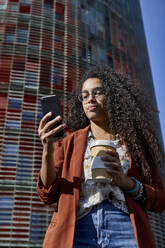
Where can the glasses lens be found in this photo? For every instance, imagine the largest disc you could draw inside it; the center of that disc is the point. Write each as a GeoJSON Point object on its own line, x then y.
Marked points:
{"type": "Point", "coordinates": [83, 96]}
{"type": "Point", "coordinates": [98, 92]}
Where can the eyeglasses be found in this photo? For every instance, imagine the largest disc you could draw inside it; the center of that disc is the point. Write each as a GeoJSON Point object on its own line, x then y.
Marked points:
{"type": "Point", "coordinates": [96, 93]}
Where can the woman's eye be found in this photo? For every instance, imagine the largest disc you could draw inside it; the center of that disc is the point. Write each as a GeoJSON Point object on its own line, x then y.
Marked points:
{"type": "Point", "coordinates": [85, 96]}
{"type": "Point", "coordinates": [98, 92]}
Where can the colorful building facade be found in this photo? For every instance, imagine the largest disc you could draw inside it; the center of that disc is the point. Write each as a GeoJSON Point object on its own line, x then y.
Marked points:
{"type": "Point", "coordinates": [45, 46]}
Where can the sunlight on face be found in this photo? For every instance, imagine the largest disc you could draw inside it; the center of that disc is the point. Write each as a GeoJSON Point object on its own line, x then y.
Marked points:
{"type": "Point", "coordinates": [93, 100]}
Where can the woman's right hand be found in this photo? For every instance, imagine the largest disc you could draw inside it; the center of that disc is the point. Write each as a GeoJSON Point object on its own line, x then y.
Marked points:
{"type": "Point", "coordinates": [44, 131]}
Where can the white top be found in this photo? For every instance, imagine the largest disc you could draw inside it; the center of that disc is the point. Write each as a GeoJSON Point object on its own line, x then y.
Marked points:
{"type": "Point", "coordinates": [94, 191]}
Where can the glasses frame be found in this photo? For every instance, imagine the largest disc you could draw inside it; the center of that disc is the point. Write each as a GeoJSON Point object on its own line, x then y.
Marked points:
{"type": "Point", "coordinates": [93, 93]}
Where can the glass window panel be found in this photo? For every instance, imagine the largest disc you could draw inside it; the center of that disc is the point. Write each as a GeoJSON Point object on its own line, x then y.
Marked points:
{"type": "Point", "coordinates": [58, 38]}
{"type": "Point", "coordinates": [26, 2]}
{"type": "Point", "coordinates": [56, 80]}
{"type": "Point", "coordinates": [22, 35]}
{"type": "Point", "coordinates": [102, 54]}
{"type": "Point", "coordinates": [16, 84]}
{"type": "Point", "coordinates": [36, 228]}
{"type": "Point", "coordinates": [84, 51]}
{"type": "Point", "coordinates": [59, 11]}
{"type": "Point", "coordinates": [36, 234]}
{"type": "Point", "coordinates": [6, 203]}
{"type": "Point", "coordinates": [47, 8]}
{"type": "Point", "coordinates": [5, 216]}
{"type": "Point", "coordinates": [92, 20]}
{"type": "Point", "coordinates": [107, 30]}
{"type": "Point", "coordinates": [22, 174]}
{"type": "Point", "coordinates": [83, 16]}
{"type": "Point", "coordinates": [10, 148]}
{"type": "Point", "coordinates": [24, 162]}
{"type": "Point", "coordinates": [59, 16]}
{"type": "Point", "coordinates": [57, 70]}
{"type": "Point", "coordinates": [31, 75]}
{"type": "Point", "coordinates": [9, 160]}
{"type": "Point", "coordinates": [93, 52]}
{"type": "Point", "coordinates": [19, 65]}
{"type": "Point", "coordinates": [33, 48]}
{"type": "Point", "coordinates": [31, 85]}
{"type": "Point", "coordinates": [28, 116]}
{"type": "Point", "coordinates": [36, 218]}
{"type": "Point", "coordinates": [39, 116]}
{"type": "Point", "coordinates": [8, 164]}
{"type": "Point", "coordinates": [10, 157]}
{"type": "Point", "coordinates": [57, 75]}
{"type": "Point", "coordinates": [76, 3]}
{"type": "Point", "coordinates": [9, 37]}
{"type": "Point", "coordinates": [15, 103]}
{"type": "Point", "coordinates": [3, 4]}
{"type": "Point", "coordinates": [110, 61]}
{"type": "Point", "coordinates": [13, 124]}
{"type": "Point", "coordinates": [13, 7]}
{"type": "Point", "coordinates": [31, 79]}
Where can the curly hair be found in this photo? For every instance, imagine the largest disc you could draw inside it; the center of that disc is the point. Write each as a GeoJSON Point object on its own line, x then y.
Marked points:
{"type": "Point", "coordinates": [131, 115]}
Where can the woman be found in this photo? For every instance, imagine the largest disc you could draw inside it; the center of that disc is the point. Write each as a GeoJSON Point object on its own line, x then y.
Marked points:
{"type": "Point", "coordinates": [89, 213]}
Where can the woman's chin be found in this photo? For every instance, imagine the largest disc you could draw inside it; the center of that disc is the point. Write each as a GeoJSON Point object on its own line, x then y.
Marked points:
{"type": "Point", "coordinates": [95, 118]}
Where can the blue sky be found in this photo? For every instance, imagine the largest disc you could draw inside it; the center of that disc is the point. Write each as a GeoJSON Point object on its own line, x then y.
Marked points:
{"type": "Point", "coordinates": [153, 12]}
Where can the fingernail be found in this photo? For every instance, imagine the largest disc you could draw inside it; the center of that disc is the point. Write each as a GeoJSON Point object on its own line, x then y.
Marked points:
{"type": "Point", "coordinates": [103, 157]}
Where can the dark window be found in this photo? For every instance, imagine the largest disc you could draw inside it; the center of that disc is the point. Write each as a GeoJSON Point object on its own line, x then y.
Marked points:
{"type": "Point", "coordinates": [6, 203]}
{"type": "Point", "coordinates": [15, 103]}
{"type": "Point", "coordinates": [58, 38]}
{"type": "Point", "coordinates": [10, 149]}
{"type": "Point", "coordinates": [3, 4]}
{"type": "Point", "coordinates": [9, 38]}
{"type": "Point", "coordinates": [22, 35]}
{"type": "Point", "coordinates": [19, 65]}
{"type": "Point", "coordinates": [60, 11]}
{"type": "Point", "coordinates": [84, 51]}
{"type": "Point", "coordinates": [27, 116]}
{"type": "Point", "coordinates": [36, 226]}
{"type": "Point", "coordinates": [13, 125]}
{"type": "Point", "coordinates": [57, 76]}
{"type": "Point", "coordinates": [24, 162]}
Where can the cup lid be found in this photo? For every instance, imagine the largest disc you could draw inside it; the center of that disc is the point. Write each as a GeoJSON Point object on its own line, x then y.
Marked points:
{"type": "Point", "coordinates": [102, 143]}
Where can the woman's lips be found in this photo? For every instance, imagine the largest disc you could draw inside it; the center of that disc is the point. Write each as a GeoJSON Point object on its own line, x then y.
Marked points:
{"type": "Point", "coordinates": [92, 108]}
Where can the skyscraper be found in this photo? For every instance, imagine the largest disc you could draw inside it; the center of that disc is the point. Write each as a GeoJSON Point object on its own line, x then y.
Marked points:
{"type": "Point", "coordinates": [45, 45]}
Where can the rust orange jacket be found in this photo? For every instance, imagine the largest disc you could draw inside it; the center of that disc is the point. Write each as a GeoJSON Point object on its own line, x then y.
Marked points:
{"type": "Point", "coordinates": [66, 191]}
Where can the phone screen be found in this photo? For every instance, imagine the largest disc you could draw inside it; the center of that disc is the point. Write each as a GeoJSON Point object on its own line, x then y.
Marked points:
{"type": "Point", "coordinates": [51, 103]}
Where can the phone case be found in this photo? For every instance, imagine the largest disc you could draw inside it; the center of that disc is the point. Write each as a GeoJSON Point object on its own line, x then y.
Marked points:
{"type": "Point", "coordinates": [51, 104]}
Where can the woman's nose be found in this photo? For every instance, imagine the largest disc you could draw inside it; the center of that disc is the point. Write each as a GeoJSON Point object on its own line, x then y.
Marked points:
{"type": "Point", "coordinates": [91, 97]}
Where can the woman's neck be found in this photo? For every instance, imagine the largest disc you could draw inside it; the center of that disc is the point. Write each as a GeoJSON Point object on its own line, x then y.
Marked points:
{"type": "Point", "coordinates": [101, 131]}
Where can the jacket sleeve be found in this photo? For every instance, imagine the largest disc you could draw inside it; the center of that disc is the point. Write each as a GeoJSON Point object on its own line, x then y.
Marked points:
{"type": "Point", "coordinates": [155, 194]}
{"type": "Point", "coordinates": [51, 195]}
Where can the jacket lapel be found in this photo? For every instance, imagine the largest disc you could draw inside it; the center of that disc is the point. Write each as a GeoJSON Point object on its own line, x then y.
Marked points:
{"type": "Point", "coordinates": [79, 144]}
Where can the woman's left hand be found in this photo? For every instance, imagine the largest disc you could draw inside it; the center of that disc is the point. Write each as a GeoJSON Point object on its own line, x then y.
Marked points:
{"type": "Point", "coordinates": [114, 168]}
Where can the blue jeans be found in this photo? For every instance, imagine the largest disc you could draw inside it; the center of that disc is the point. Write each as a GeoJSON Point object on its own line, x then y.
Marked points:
{"type": "Point", "coordinates": [105, 226]}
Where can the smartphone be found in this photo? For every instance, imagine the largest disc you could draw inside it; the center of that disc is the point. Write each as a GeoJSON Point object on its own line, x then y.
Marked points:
{"type": "Point", "coordinates": [51, 103]}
